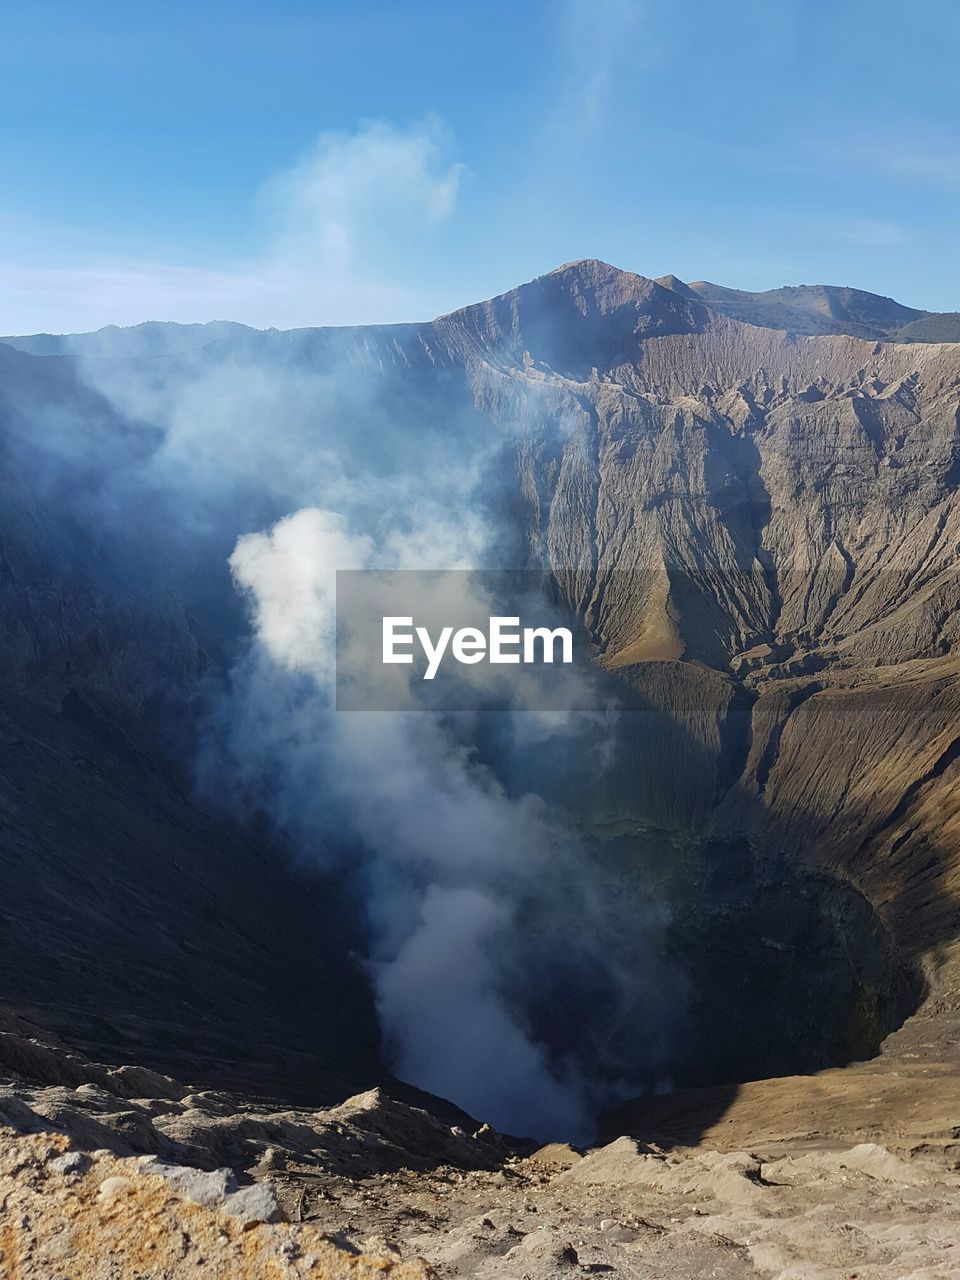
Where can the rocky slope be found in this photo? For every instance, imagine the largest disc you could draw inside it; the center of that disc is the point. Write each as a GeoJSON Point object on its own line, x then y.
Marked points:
{"type": "Point", "coordinates": [762, 533]}
{"type": "Point", "coordinates": [115, 1172]}
{"type": "Point", "coordinates": [130, 917]}
{"type": "Point", "coordinates": [763, 529]}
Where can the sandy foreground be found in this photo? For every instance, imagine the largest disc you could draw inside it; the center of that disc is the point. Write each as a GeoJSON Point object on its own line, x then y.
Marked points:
{"type": "Point", "coordinates": [125, 1173]}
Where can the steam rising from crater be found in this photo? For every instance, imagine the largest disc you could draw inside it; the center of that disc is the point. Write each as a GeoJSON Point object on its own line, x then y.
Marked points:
{"type": "Point", "coordinates": [456, 863]}
{"type": "Point", "coordinates": [512, 973]}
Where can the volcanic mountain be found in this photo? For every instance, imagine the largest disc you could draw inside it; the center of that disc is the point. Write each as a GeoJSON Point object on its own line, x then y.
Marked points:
{"type": "Point", "coordinates": [752, 504]}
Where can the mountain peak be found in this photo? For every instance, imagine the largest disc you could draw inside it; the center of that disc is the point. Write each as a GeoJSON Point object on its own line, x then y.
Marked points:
{"type": "Point", "coordinates": [590, 268]}
{"type": "Point", "coordinates": [582, 315]}
{"type": "Point", "coordinates": [676, 285]}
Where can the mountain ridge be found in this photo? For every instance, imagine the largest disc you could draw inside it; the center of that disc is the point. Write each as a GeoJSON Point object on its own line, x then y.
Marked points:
{"type": "Point", "coordinates": [802, 310]}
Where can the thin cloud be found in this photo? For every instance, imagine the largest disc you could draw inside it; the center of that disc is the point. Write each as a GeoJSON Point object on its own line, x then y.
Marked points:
{"type": "Point", "coordinates": [868, 233]}
{"type": "Point", "coordinates": [597, 40]}
{"type": "Point", "coordinates": [936, 162]}
{"type": "Point", "coordinates": [336, 204]}
{"type": "Point", "coordinates": [341, 221]}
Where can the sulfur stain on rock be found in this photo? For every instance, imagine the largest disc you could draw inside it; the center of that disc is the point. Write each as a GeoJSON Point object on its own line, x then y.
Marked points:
{"type": "Point", "coordinates": [114, 1221]}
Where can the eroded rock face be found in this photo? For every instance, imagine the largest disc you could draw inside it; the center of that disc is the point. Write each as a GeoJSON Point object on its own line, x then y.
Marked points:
{"type": "Point", "coordinates": [759, 532]}
{"type": "Point", "coordinates": [764, 530]}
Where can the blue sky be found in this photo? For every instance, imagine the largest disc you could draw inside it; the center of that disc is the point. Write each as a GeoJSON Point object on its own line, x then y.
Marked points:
{"type": "Point", "coordinates": [309, 163]}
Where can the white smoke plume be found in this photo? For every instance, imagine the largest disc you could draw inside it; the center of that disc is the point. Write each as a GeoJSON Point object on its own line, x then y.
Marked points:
{"type": "Point", "coordinates": [456, 863]}
{"type": "Point", "coordinates": [511, 972]}
{"type": "Point", "coordinates": [452, 855]}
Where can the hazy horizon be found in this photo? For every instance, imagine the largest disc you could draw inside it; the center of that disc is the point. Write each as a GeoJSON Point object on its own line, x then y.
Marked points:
{"type": "Point", "coordinates": [426, 319]}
